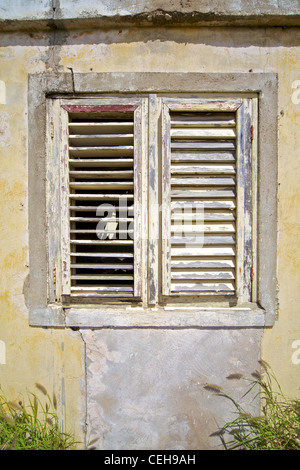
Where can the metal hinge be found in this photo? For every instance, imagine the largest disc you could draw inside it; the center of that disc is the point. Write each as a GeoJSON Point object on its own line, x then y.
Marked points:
{"type": "Point", "coordinates": [252, 133]}
{"type": "Point", "coordinates": [51, 130]}
{"type": "Point", "coordinates": [252, 273]}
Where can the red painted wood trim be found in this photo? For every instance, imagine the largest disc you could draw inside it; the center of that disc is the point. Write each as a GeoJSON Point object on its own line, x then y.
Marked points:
{"type": "Point", "coordinates": [99, 108]}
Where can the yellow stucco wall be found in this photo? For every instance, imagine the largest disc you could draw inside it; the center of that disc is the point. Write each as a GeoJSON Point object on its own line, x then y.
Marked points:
{"type": "Point", "coordinates": [54, 357]}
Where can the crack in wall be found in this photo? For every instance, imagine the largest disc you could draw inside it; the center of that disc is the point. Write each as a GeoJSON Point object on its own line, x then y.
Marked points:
{"type": "Point", "coordinates": [84, 391]}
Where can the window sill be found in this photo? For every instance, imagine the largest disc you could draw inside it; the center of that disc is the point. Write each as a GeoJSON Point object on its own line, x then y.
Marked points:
{"type": "Point", "coordinates": [167, 317]}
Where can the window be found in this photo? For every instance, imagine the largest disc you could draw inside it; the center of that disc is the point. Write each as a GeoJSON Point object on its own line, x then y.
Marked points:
{"type": "Point", "coordinates": [152, 208]}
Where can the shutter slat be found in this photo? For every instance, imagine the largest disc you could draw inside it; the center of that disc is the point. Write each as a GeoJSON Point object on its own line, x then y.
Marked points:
{"type": "Point", "coordinates": [103, 288]}
{"type": "Point", "coordinates": [201, 145]}
{"type": "Point", "coordinates": [221, 156]}
{"type": "Point", "coordinates": [101, 242]}
{"type": "Point", "coordinates": [204, 275]}
{"type": "Point", "coordinates": [98, 219]}
{"type": "Point", "coordinates": [187, 263]}
{"type": "Point", "coordinates": [206, 193]}
{"type": "Point", "coordinates": [101, 163]}
{"type": "Point", "coordinates": [199, 251]}
{"type": "Point", "coordinates": [106, 196]}
{"type": "Point", "coordinates": [102, 266]}
{"type": "Point", "coordinates": [102, 174]}
{"type": "Point", "coordinates": [205, 204]}
{"type": "Point", "coordinates": [213, 181]}
{"type": "Point", "coordinates": [100, 255]}
{"type": "Point", "coordinates": [100, 140]}
{"type": "Point", "coordinates": [203, 169]}
{"type": "Point", "coordinates": [100, 127]}
{"type": "Point", "coordinates": [107, 151]}
{"type": "Point", "coordinates": [197, 120]}
{"type": "Point", "coordinates": [104, 277]}
{"type": "Point", "coordinates": [213, 133]}
{"type": "Point", "coordinates": [92, 185]}
{"type": "Point", "coordinates": [204, 228]}
{"type": "Point", "coordinates": [185, 214]}
{"type": "Point", "coordinates": [207, 240]}
{"type": "Point", "coordinates": [203, 286]}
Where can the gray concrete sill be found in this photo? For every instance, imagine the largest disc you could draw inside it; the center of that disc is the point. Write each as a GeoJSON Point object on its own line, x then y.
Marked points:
{"type": "Point", "coordinates": [137, 317]}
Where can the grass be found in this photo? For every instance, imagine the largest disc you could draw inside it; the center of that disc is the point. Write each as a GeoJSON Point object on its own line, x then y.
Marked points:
{"type": "Point", "coordinates": [276, 428]}
{"type": "Point", "coordinates": [32, 427]}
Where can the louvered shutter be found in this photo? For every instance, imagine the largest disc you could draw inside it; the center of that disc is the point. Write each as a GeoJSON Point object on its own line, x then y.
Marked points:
{"type": "Point", "coordinates": [101, 198]}
{"type": "Point", "coordinates": [200, 198]}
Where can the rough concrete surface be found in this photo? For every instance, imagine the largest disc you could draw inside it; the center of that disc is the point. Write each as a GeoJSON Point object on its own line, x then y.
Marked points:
{"type": "Point", "coordinates": [145, 389]}
{"type": "Point", "coordinates": [66, 13]}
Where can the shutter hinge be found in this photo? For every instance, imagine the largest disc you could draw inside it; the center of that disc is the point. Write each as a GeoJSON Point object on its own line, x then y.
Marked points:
{"type": "Point", "coordinates": [51, 130]}
{"type": "Point", "coordinates": [54, 275]}
{"type": "Point", "coordinates": [252, 133]}
{"type": "Point", "coordinates": [252, 273]}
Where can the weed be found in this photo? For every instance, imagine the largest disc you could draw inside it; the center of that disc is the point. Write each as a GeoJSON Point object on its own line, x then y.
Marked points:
{"type": "Point", "coordinates": [33, 426]}
{"type": "Point", "coordinates": [276, 428]}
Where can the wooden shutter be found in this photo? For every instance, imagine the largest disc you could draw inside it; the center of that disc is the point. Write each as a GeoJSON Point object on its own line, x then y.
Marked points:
{"type": "Point", "coordinates": [101, 246]}
{"type": "Point", "coordinates": [200, 198]}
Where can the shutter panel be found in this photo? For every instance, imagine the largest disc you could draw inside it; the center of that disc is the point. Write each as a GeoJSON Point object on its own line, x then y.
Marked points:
{"type": "Point", "coordinates": [103, 183]}
{"type": "Point", "coordinates": [199, 241]}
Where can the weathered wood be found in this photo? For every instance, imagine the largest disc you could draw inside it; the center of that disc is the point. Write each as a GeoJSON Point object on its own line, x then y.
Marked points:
{"type": "Point", "coordinates": [216, 263]}
{"type": "Point", "coordinates": [154, 171]}
{"type": "Point", "coordinates": [192, 169]}
{"type": "Point", "coordinates": [203, 120]}
{"type": "Point", "coordinates": [100, 127]}
{"type": "Point", "coordinates": [106, 197]}
{"type": "Point", "coordinates": [199, 251]}
{"type": "Point", "coordinates": [204, 227]}
{"type": "Point", "coordinates": [105, 254]}
{"type": "Point", "coordinates": [244, 208]}
{"type": "Point", "coordinates": [103, 162]}
{"type": "Point", "coordinates": [105, 277]}
{"type": "Point", "coordinates": [103, 288]}
{"type": "Point", "coordinates": [213, 181]}
{"type": "Point", "coordinates": [64, 206]}
{"type": "Point", "coordinates": [205, 105]}
{"type": "Point", "coordinates": [203, 145]}
{"type": "Point", "coordinates": [92, 185]}
{"type": "Point", "coordinates": [206, 240]}
{"type": "Point", "coordinates": [166, 200]}
{"type": "Point", "coordinates": [102, 174]}
{"type": "Point", "coordinates": [102, 266]}
{"type": "Point", "coordinates": [94, 140]}
{"type": "Point", "coordinates": [204, 275]}
{"type": "Point", "coordinates": [203, 286]}
{"type": "Point", "coordinates": [220, 156]}
{"type": "Point", "coordinates": [106, 151]}
{"type": "Point", "coordinates": [185, 214]}
{"type": "Point", "coordinates": [101, 242]}
{"type": "Point", "coordinates": [103, 108]}
{"type": "Point", "coordinates": [192, 133]}
{"type": "Point", "coordinates": [204, 204]}
{"type": "Point", "coordinates": [203, 193]}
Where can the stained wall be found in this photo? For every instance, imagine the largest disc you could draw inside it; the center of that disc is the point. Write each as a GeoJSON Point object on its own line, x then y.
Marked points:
{"type": "Point", "coordinates": [143, 388]}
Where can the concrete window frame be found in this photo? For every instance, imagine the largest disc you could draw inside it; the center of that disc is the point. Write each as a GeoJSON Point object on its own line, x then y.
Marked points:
{"type": "Point", "coordinates": [261, 86]}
